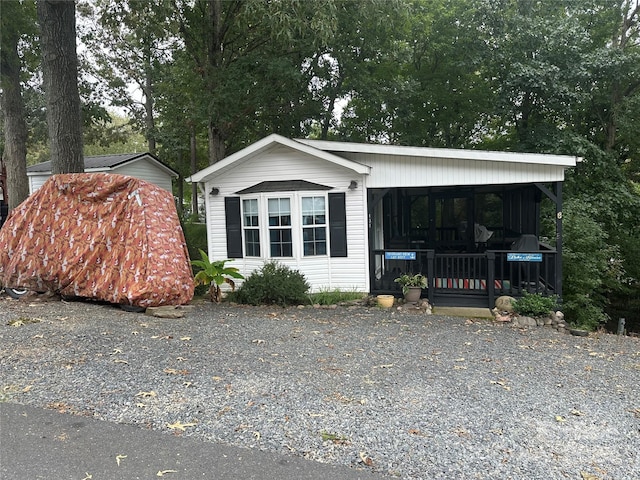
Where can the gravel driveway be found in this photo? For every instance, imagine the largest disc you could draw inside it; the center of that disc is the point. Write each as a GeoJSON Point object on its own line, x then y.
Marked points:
{"type": "Point", "coordinates": [403, 394]}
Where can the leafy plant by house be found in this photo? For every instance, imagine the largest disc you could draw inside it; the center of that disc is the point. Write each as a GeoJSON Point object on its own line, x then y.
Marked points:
{"type": "Point", "coordinates": [407, 280]}
{"type": "Point", "coordinates": [215, 274]}
{"type": "Point", "coordinates": [535, 305]}
{"type": "Point", "coordinates": [273, 284]}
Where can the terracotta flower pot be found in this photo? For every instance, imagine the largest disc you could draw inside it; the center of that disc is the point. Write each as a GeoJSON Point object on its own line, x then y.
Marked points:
{"type": "Point", "coordinates": [385, 301]}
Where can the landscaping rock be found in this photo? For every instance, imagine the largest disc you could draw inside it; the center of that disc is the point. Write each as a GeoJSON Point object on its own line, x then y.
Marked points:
{"type": "Point", "coordinates": [168, 311]}
{"type": "Point", "coordinates": [505, 303]}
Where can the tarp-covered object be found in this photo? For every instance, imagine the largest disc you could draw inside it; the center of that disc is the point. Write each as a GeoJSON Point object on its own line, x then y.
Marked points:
{"type": "Point", "coordinates": [102, 236]}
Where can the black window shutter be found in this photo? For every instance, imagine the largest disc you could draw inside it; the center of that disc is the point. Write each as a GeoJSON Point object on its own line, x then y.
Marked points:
{"type": "Point", "coordinates": [337, 225]}
{"type": "Point", "coordinates": [234, 226]}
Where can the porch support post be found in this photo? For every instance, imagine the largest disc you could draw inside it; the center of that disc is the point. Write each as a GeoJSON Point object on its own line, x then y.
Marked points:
{"type": "Point", "coordinates": [491, 278]}
{"type": "Point", "coordinates": [431, 255]}
{"type": "Point", "coordinates": [558, 195]}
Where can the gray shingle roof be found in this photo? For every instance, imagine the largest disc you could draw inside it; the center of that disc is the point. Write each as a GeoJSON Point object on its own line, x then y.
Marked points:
{"type": "Point", "coordinates": [99, 162]}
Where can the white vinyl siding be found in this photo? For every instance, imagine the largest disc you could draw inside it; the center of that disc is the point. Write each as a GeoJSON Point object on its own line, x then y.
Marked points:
{"type": "Point", "coordinates": [321, 271]}
{"type": "Point", "coordinates": [390, 171]}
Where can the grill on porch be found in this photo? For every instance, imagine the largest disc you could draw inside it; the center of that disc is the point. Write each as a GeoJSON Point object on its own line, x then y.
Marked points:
{"type": "Point", "coordinates": [467, 279]}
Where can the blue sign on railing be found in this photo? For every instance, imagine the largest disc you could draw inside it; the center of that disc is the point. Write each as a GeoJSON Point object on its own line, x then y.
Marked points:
{"type": "Point", "coordinates": [399, 255]}
{"type": "Point", "coordinates": [524, 257]}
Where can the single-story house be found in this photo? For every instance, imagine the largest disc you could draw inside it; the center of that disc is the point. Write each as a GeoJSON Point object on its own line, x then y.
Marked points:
{"type": "Point", "coordinates": [355, 216]}
{"type": "Point", "coordinates": [144, 166]}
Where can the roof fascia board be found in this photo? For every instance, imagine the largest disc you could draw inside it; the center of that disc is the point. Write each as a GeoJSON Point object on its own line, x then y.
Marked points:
{"type": "Point", "coordinates": [267, 143]}
{"type": "Point", "coordinates": [447, 153]}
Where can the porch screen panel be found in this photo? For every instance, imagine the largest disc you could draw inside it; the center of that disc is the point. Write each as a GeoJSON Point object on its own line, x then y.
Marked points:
{"type": "Point", "coordinates": [337, 225]}
{"type": "Point", "coordinates": [280, 237]}
{"type": "Point", "coordinates": [251, 227]}
{"type": "Point", "coordinates": [314, 231]}
{"type": "Point", "coordinates": [234, 227]}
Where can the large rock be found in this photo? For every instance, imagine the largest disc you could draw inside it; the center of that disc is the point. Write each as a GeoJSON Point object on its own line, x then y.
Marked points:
{"type": "Point", "coordinates": [168, 311]}
{"type": "Point", "coordinates": [525, 322]}
{"type": "Point", "coordinates": [505, 303]}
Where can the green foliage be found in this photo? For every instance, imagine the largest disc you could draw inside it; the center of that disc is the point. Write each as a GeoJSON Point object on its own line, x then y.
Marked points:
{"type": "Point", "coordinates": [195, 234]}
{"type": "Point", "coordinates": [334, 297]}
{"type": "Point", "coordinates": [407, 280]}
{"type": "Point", "coordinates": [214, 274]}
{"type": "Point", "coordinates": [535, 305]}
{"type": "Point", "coordinates": [582, 312]}
{"type": "Point", "coordinates": [273, 284]}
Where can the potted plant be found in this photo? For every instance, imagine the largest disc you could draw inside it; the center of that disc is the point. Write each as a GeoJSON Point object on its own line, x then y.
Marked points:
{"type": "Point", "coordinates": [412, 285]}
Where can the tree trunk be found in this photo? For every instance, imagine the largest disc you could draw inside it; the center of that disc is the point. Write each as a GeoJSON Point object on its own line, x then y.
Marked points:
{"type": "Point", "coordinates": [149, 120]}
{"type": "Point", "coordinates": [214, 59]}
{"type": "Point", "coordinates": [60, 74]}
{"type": "Point", "coordinates": [15, 126]}
{"type": "Point", "coordinates": [216, 143]}
{"type": "Point", "coordinates": [194, 169]}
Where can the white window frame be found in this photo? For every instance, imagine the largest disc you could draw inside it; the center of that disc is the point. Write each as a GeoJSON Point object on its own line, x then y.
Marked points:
{"type": "Point", "coordinates": [252, 228]}
{"type": "Point", "coordinates": [296, 227]}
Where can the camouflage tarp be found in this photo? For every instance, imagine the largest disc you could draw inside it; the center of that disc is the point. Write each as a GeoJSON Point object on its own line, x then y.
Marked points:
{"type": "Point", "coordinates": [101, 236]}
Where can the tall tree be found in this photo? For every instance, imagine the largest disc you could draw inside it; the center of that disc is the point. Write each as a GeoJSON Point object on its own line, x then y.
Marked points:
{"type": "Point", "coordinates": [60, 74]}
{"type": "Point", "coordinates": [17, 21]}
{"type": "Point", "coordinates": [248, 54]}
{"type": "Point", "coordinates": [126, 52]}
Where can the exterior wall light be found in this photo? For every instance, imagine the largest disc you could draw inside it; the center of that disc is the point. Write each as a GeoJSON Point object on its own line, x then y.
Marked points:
{"type": "Point", "coordinates": [353, 185]}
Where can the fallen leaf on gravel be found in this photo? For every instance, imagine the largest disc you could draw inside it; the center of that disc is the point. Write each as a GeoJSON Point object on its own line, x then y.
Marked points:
{"type": "Point", "coordinates": [257, 341]}
{"type": "Point", "coordinates": [115, 351]}
{"type": "Point", "coordinates": [388, 365]}
{"type": "Point", "coordinates": [185, 339]}
{"type": "Point", "coordinates": [119, 458]}
{"type": "Point", "coordinates": [560, 419]}
{"type": "Point", "coordinates": [216, 378]}
{"type": "Point", "coordinates": [180, 426]}
{"type": "Point", "coordinates": [636, 412]}
{"type": "Point", "coordinates": [589, 476]}
{"type": "Point", "coordinates": [365, 459]}
{"type": "Point", "coordinates": [459, 360]}
{"type": "Point", "coordinates": [162, 473]}
{"type": "Point", "coordinates": [147, 394]}
{"type": "Point", "coordinates": [119, 360]}
{"type": "Point", "coordinates": [257, 435]}
{"type": "Point", "coordinates": [141, 405]}
{"type": "Point", "coordinates": [577, 413]}
{"type": "Point", "coordinates": [88, 476]}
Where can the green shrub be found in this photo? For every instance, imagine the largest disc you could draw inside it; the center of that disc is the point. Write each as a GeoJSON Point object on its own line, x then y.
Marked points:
{"type": "Point", "coordinates": [195, 234]}
{"type": "Point", "coordinates": [334, 297]}
{"type": "Point", "coordinates": [580, 312]}
{"type": "Point", "coordinates": [272, 284]}
{"type": "Point", "coordinates": [535, 305]}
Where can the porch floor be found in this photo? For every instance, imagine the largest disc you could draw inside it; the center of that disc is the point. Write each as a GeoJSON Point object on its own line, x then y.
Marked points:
{"type": "Point", "coordinates": [467, 312]}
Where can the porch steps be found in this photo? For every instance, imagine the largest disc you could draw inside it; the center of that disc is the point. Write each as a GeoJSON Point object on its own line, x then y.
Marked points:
{"type": "Point", "coordinates": [467, 312]}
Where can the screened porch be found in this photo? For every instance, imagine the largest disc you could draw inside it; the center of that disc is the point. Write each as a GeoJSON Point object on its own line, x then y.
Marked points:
{"type": "Point", "coordinates": [473, 243]}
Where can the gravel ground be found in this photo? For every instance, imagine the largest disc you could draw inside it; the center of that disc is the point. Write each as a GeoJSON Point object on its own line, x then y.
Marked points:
{"type": "Point", "coordinates": [408, 395]}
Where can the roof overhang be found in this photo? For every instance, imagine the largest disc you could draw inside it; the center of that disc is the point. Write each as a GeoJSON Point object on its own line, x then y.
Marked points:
{"type": "Point", "coordinates": [266, 144]}
{"type": "Point", "coordinates": [447, 153]}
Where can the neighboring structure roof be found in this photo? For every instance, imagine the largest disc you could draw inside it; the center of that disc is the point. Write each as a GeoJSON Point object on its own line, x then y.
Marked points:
{"type": "Point", "coordinates": [104, 163]}
{"type": "Point", "coordinates": [268, 143]}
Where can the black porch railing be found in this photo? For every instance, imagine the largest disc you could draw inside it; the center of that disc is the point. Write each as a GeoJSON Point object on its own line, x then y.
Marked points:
{"type": "Point", "coordinates": [467, 278]}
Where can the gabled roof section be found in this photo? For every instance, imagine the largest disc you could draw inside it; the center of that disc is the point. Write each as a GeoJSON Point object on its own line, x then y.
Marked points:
{"type": "Point", "coordinates": [449, 153]}
{"type": "Point", "coordinates": [104, 163]}
{"type": "Point", "coordinates": [266, 144]}
{"type": "Point", "coordinates": [283, 186]}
